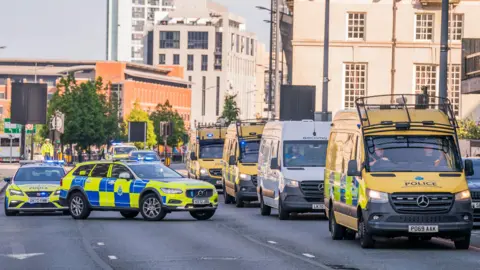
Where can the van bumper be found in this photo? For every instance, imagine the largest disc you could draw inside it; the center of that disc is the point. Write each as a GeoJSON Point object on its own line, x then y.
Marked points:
{"type": "Point", "coordinates": [293, 200]}
{"type": "Point", "coordinates": [384, 221]}
{"type": "Point", "coordinates": [247, 191]}
{"type": "Point", "coordinates": [217, 182]}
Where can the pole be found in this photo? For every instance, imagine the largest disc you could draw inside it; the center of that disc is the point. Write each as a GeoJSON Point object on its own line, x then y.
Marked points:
{"type": "Point", "coordinates": [444, 50]}
{"type": "Point", "coordinates": [270, 68]}
{"type": "Point", "coordinates": [278, 51]}
{"type": "Point", "coordinates": [11, 147]}
{"type": "Point", "coordinates": [22, 143]}
{"type": "Point", "coordinates": [32, 145]}
{"type": "Point", "coordinates": [326, 45]}
{"type": "Point", "coordinates": [394, 45]}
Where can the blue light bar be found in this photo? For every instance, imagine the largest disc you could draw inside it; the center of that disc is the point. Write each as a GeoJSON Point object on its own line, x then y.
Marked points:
{"type": "Point", "coordinates": [209, 135]}
{"type": "Point", "coordinates": [243, 143]}
{"type": "Point", "coordinates": [56, 162]}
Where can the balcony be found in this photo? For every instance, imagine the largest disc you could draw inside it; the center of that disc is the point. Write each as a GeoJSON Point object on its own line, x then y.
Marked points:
{"type": "Point", "coordinates": [437, 2]}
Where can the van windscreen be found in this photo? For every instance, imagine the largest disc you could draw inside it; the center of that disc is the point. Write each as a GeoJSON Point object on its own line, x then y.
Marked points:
{"type": "Point", "coordinates": [304, 153]}
{"type": "Point", "coordinates": [214, 151]}
{"type": "Point", "coordinates": [249, 151]}
{"type": "Point", "coordinates": [412, 154]}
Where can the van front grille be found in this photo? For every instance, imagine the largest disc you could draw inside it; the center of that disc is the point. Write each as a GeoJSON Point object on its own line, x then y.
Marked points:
{"type": "Point", "coordinates": [406, 203]}
{"type": "Point", "coordinates": [312, 189]}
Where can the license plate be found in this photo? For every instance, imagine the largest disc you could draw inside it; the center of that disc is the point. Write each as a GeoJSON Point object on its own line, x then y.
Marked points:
{"type": "Point", "coordinates": [476, 205]}
{"type": "Point", "coordinates": [422, 228]}
{"type": "Point", "coordinates": [201, 201]}
{"type": "Point", "coordinates": [38, 200]}
{"type": "Point", "coordinates": [318, 206]}
{"type": "Point", "coordinates": [219, 182]}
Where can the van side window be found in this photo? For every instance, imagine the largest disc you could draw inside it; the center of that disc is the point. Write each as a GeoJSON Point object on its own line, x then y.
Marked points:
{"type": "Point", "coordinates": [340, 142]}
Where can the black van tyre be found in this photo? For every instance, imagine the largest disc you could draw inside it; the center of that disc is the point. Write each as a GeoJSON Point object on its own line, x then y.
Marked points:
{"type": "Point", "coordinates": [265, 210]}
{"type": "Point", "coordinates": [78, 205]}
{"type": "Point", "coordinates": [227, 198]}
{"type": "Point", "coordinates": [464, 243]}
{"type": "Point", "coordinates": [129, 214]}
{"type": "Point", "coordinates": [202, 215]}
{"type": "Point", "coordinates": [337, 231]}
{"type": "Point", "coordinates": [366, 240]}
{"type": "Point", "coordinates": [282, 213]}
{"type": "Point", "coordinates": [151, 208]}
{"type": "Point", "coordinates": [238, 203]}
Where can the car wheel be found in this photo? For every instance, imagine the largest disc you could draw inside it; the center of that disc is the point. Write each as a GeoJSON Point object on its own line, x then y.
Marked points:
{"type": "Point", "coordinates": [464, 243]}
{"type": "Point", "coordinates": [337, 231]}
{"type": "Point", "coordinates": [202, 215]}
{"type": "Point", "coordinates": [265, 210]}
{"type": "Point", "coordinates": [238, 202]}
{"type": "Point", "coordinates": [129, 214]}
{"type": "Point", "coordinates": [151, 208]}
{"type": "Point", "coordinates": [7, 212]}
{"type": "Point", "coordinates": [366, 240]}
{"type": "Point", "coordinates": [282, 213]}
{"type": "Point", "coordinates": [78, 205]}
{"type": "Point", "coordinates": [227, 198]}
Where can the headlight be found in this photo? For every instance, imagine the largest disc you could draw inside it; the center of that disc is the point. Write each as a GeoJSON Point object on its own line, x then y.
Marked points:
{"type": "Point", "coordinates": [462, 196]}
{"type": "Point", "coordinates": [203, 171]}
{"type": "Point", "coordinates": [377, 196]}
{"type": "Point", "coordinates": [245, 176]}
{"type": "Point", "coordinates": [57, 193]}
{"type": "Point", "coordinates": [172, 190]}
{"type": "Point", "coordinates": [14, 192]}
{"type": "Point", "coordinates": [291, 183]}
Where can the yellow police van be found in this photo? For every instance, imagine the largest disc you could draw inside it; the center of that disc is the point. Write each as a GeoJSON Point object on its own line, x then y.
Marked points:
{"type": "Point", "coordinates": [240, 160]}
{"type": "Point", "coordinates": [395, 170]}
{"type": "Point", "coordinates": [205, 154]}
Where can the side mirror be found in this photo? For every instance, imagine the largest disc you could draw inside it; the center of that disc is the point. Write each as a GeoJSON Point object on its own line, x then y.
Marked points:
{"type": "Point", "coordinates": [162, 160]}
{"type": "Point", "coordinates": [7, 179]}
{"type": "Point", "coordinates": [125, 175]}
{"type": "Point", "coordinates": [274, 164]}
{"type": "Point", "coordinates": [352, 169]}
{"type": "Point", "coordinates": [232, 160]}
{"type": "Point", "coordinates": [469, 168]}
{"type": "Point", "coordinates": [193, 156]}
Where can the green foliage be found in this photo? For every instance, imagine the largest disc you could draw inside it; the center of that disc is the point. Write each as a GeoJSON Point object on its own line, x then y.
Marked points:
{"type": "Point", "coordinates": [139, 115]}
{"type": "Point", "coordinates": [468, 129]}
{"type": "Point", "coordinates": [165, 113]}
{"type": "Point", "coordinates": [230, 110]}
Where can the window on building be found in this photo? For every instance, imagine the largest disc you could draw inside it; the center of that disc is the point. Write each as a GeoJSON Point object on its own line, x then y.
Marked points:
{"type": "Point", "coordinates": [176, 59]}
{"type": "Point", "coordinates": [243, 45]}
{"type": "Point", "coordinates": [198, 40]}
{"type": "Point", "coordinates": [1, 110]}
{"type": "Point", "coordinates": [204, 91]}
{"type": "Point", "coordinates": [426, 76]}
{"type": "Point", "coordinates": [169, 39]}
{"type": "Point", "coordinates": [218, 62]}
{"type": "Point", "coordinates": [233, 41]}
{"type": "Point", "coordinates": [204, 62]}
{"type": "Point", "coordinates": [238, 43]}
{"type": "Point", "coordinates": [252, 48]}
{"type": "Point", "coordinates": [454, 82]}
{"type": "Point", "coordinates": [455, 30]}
{"type": "Point", "coordinates": [217, 104]}
{"type": "Point", "coordinates": [190, 62]}
{"type": "Point", "coordinates": [2, 95]}
{"type": "Point", "coordinates": [138, 2]}
{"type": "Point", "coordinates": [161, 60]}
{"type": "Point", "coordinates": [247, 51]}
{"type": "Point", "coordinates": [137, 25]}
{"type": "Point", "coordinates": [190, 78]}
{"type": "Point", "coordinates": [355, 78]}
{"type": "Point", "coordinates": [424, 26]}
{"type": "Point", "coordinates": [138, 12]}
{"type": "Point", "coordinates": [356, 25]}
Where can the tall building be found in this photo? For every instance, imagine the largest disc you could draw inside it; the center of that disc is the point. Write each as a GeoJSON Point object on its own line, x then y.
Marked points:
{"type": "Point", "coordinates": [126, 23]}
{"type": "Point", "coordinates": [219, 56]}
{"type": "Point", "coordinates": [367, 59]}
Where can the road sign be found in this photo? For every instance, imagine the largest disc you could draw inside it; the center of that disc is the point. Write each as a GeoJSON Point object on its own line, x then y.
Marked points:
{"type": "Point", "coordinates": [56, 122]}
{"type": "Point", "coordinates": [8, 127]}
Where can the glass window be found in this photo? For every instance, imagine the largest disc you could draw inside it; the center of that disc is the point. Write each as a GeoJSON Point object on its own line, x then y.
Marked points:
{"type": "Point", "coordinates": [204, 62]}
{"type": "Point", "coordinates": [304, 153]}
{"type": "Point", "coordinates": [454, 83]}
{"type": "Point", "coordinates": [83, 170]}
{"type": "Point", "coordinates": [190, 62]}
{"type": "Point", "coordinates": [249, 151]}
{"type": "Point", "coordinates": [161, 59]}
{"type": "Point", "coordinates": [356, 25]}
{"type": "Point", "coordinates": [355, 79]}
{"type": "Point", "coordinates": [197, 40]}
{"type": "Point", "coordinates": [169, 39]}
{"type": "Point", "coordinates": [455, 30]}
{"type": "Point", "coordinates": [412, 154]}
{"type": "Point", "coordinates": [176, 59]}
{"type": "Point", "coordinates": [151, 156]}
{"type": "Point", "coordinates": [426, 75]}
{"type": "Point", "coordinates": [50, 174]}
{"type": "Point", "coordinates": [214, 150]}
{"type": "Point", "coordinates": [101, 170]}
{"type": "Point", "coordinates": [424, 26]}
{"type": "Point", "coordinates": [123, 150]}
{"type": "Point", "coordinates": [138, 12]}
{"type": "Point", "coordinates": [154, 171]}
{"type": "Point", "coordinates": [118, 169]}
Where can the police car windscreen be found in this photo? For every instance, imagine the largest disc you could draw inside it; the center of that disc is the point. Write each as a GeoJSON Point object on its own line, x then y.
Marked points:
{"type": "Point", "coordinates": [304, 153]}
{"type": "Point", "coordinates": [153, 171]}
{"type": "Point", "coordinates": [144, 155]}
{"type": "Point", "coordinates": [249, 151]}
{"type": "Point", "coordinates": [411, 154]}
{"type": "Point", "coordinates": [211, 151]}
{"type": "Point", "coordinates": [123, 150]}
{"type": "Point", "coordinates": [39, 174]}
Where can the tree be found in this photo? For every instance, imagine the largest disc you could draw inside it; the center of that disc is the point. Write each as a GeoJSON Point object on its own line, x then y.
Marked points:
{"type": "Point", "coordinates": [230, 110]}
{"type": "Point", "coordinates": [165, 113]}
{"type": "Point", "coordinates": [468, 129]}
{"type": "Point", "coordinates": [139, 115]}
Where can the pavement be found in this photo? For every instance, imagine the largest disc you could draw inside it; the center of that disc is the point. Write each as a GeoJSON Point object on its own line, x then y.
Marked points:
{"type": "Point", "coordinates": [235, 238]}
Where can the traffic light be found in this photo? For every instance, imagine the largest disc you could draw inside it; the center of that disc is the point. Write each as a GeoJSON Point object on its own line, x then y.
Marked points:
{"type": "Point", "coordinates": [166, 128]}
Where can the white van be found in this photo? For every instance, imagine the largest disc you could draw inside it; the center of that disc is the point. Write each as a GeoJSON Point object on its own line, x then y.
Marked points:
{"type": "Point", "coordinates": [291, 167]}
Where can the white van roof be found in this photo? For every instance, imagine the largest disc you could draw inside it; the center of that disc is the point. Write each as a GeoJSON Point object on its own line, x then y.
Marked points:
{"type": "Point", "coordinates": [299, 130]}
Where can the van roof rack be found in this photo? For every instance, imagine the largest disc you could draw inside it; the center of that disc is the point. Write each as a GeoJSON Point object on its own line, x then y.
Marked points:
{"type": "Point", "coordinates": [366, 105]}
{"type": "Point", "coordinates": [249, 122]}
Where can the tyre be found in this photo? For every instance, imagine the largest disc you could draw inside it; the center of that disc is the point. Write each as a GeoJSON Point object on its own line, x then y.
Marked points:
{"type": "Point", "coordinates": [202, 215]}
{"type": "Point", "coordinates": [238, 203]}
{"type": "Point", "coordinates": [129, 214]}
{"type": "Point", "coordinates": [151, 208]}
{"type": "Point", "coordinates": [282, 213]}
{"type": "Point", "coordinates": [227, 198]}
{"type": "Point", "coordinates": [337, 231]}
{"type": "Point", "coordinates": [464, 243]}
{"type": "Point", "coordinates": [78, 204]}
{"type": "Point", "coordinates": [7, 212]}
{"type": "Point", "coordinates": [265, 210]}
{"type": "Point", "coordinates": [366, 240]}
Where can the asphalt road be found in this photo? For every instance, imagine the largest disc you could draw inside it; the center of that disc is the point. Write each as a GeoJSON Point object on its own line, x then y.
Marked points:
{"type": "Point", "coordinates": [235, 238]}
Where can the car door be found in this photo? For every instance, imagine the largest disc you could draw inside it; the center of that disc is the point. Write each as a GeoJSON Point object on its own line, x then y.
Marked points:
{"type": "Point", "coordinates": [121, 189]}
{"type": "Point", "coordinates": [95, 184]}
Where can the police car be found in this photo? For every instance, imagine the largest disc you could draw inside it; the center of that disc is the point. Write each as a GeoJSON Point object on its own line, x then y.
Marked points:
{"type": "Point", "coordinates": [35, 187]}
{"type": "Point", "coordinates": [133, 187]}
{"type": "Point", "coordinates": [119, 151]}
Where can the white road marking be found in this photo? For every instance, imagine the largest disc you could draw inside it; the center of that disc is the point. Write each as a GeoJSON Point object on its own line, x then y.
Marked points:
{"type": "Point", "coordinates": [112, 257]}
{"type": "Point", "coordinates": [451, 243]}
{"type": "Point", "coordinates": [272, 242]}
{"type": "Point", "coordinates": [101, 244]}
{"type": "Point", "coordinates": [23, 256]}
{"type": "Point", "coordinates": [308, 255]}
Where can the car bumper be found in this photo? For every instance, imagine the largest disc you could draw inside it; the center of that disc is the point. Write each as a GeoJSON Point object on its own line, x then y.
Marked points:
{"type": "Point", "coordinates": [293, 200]}
{"type": "Point", "coordinates": [383, 220]}
{"type": "Point", "coordinates": [217, 182]}
{"type": "Point", "coordinates": [190, 208]}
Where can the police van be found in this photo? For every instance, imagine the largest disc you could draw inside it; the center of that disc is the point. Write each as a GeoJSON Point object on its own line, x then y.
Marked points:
{"type": "Point", "coordinates": [291, 167]}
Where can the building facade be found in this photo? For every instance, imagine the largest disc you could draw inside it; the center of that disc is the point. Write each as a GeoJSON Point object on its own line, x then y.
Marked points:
{"type": "Point", "coordinates": [132, 83]}
{"type": "Point", "coordinates": [126, 23]}
{"type": "Point", "coordinates": [370, 55]}
{"type": "Point", "coordinates": [219, 56]}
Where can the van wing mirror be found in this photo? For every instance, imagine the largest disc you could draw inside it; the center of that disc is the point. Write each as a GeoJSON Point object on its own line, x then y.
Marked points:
{"type": "Point", "coordinates": [352, 169]}
{"type": "Point", "coordinates": [469, 168]}
{"type": "Point", "coordinates": [274, 164]}
{"type": "Point", "coordinates": [193, 156]}
{"type": "Point", "coordinates": [232, 160]}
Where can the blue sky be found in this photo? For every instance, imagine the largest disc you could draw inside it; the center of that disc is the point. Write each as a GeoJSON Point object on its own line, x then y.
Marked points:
{"type": "Point", "coordinates": [76, 29]}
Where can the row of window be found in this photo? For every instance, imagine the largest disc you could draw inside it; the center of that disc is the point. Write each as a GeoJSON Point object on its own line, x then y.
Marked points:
{"type": "Point", "coordinates": [424, 26]}
{"type": "Point", "coordinates": [190, 61]}
{"type": "Point", "coordinates": [243, 45]}
{"type": "Point", "coordinates": [356, 75]}
{"type": "Point", "coordinates": [171, 40]}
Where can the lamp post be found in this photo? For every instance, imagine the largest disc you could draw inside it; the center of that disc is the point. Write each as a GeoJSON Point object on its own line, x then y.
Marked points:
{"type": "Point", "coordinates": [442, 93]}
